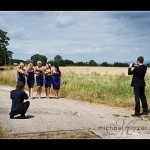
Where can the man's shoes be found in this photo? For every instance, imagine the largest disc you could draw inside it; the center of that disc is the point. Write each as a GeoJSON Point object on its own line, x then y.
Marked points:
{"type": "Point", "coordinates": [136, 114]}
{"type": "Point", "coordinates": [22, 117]}
{"type": "Point", "coordinates": [11, 116]}
{"type": "Point", "coordinates": [144, 113]}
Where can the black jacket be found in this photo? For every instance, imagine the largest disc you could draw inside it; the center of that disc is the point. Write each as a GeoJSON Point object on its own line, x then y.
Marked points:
{"type": "Point", "coordinates": [17, 97]}
{"type": "Point", "coordinates": [138, 76]}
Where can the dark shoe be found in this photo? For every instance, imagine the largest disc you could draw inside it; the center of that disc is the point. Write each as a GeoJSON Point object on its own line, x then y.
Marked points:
{"type": "Point", "coordinates": [136, 114]}
{"type": "Point", "coordinates": [144, 113]}
{"type": "Point", "coordinates": [12, 117]}
{"type": "Point", "coordinates": [22, 117]}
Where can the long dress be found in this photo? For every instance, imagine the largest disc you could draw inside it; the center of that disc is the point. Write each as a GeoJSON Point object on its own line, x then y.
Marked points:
{"type": "Point", "coordinates": [48, 80]}
{"type": "Point", "coordinates": [39, 78]}
{"type": "Point", "coordinates": [21, 78]}
{"type": "Point", "coordinates": [56, 80]}
{"type": "Point", "coordinates": [30, 79]}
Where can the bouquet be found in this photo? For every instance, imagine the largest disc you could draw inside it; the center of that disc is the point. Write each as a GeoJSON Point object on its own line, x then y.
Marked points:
{"type": "Point", "coordinates": [37, 73]}
{"type": "Point", "coordinates": [47, 73]}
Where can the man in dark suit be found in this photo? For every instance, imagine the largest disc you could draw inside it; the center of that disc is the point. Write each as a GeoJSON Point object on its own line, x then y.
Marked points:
{"type": "Point", "coordinates": [18, 105]}
{"type": "Point", "coordinates": [138, 83]}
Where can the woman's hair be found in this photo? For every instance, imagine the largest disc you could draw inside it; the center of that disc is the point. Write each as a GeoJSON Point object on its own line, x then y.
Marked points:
{"type": "Point", "coordinates": [49, 65]}
{"type": "Point", "coordinates": [39, 62]}
{"type": "Point", "coordinates": [58, 69]}
{"type": "Point", "coordinates": [21, 64]}
{"type": "Point", "coordinates": [30, 65]}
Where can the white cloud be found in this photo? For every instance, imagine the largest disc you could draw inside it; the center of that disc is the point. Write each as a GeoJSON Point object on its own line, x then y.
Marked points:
{"type": "Point", "coordinates": [64, 19]}
{"type": "Point", "coordinates": [1, 19]}
{"type": "Point", "coordinates": [3, 25]}
{"type": "Point", "coordinates": [98, 35]}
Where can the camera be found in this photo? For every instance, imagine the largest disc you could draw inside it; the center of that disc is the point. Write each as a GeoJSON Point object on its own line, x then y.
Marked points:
{"type": "Point", "coordinates": [134, 64]}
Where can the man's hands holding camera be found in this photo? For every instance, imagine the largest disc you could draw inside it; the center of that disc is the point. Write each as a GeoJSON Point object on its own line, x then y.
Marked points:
{"type": "Point", "coordinates": [133, 65]}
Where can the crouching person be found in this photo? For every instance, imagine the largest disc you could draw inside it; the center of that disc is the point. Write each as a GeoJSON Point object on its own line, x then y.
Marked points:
{"type": "Point", "coordinates": [18, 105]}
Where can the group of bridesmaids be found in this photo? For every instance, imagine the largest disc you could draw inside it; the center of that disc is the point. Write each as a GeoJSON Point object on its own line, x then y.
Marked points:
{"type": "Point", "coordinates": [43, 76]}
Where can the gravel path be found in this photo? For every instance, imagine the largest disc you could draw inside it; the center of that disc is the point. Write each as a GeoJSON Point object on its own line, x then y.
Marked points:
{"type": "Point", "coordinates": [64, 118]}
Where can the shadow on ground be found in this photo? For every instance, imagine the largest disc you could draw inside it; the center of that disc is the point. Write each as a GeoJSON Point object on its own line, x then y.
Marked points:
{"type": "Point", "coordinates": [27, 117]}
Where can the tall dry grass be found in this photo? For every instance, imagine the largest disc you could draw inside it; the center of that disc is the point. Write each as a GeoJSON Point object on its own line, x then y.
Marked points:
{"type": "Point", "coordinates": [93, 87]}
{"type": "Point", "coordinates": [107, 89]}
{"type": "Point", "coordinates": [2, 133]}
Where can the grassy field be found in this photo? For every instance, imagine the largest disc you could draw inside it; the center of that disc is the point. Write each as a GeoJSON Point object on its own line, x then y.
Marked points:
{"type": "Point", "coordinates": [2, 133]}
{"type": "Point", "coordinates": [106, 85]}
{"type": "Point", "coordinates": [99, 70]}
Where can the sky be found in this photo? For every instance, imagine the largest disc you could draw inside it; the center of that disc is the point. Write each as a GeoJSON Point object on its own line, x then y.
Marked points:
{"type": "Point", "coordinates": [111, 36]}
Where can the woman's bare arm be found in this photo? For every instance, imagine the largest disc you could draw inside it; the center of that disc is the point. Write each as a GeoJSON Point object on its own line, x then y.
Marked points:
{"type": "Point", "coordinates": [17, 75]}
{"type": "Point", "coordinates": [52, 73]}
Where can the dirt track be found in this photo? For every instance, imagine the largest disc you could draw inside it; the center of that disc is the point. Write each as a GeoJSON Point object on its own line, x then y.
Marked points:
{"type": "Point", "coordinates": [63, 118]}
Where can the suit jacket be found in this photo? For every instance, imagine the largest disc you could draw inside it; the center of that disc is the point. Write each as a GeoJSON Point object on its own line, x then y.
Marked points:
{"type": "Point", "coordinates": [138, 76]}
{"type": "Point", "coordinates": [17, 97]}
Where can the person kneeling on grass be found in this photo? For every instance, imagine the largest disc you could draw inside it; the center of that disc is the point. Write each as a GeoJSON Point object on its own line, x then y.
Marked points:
{"type": "Point", "coordinates": [18, 105]}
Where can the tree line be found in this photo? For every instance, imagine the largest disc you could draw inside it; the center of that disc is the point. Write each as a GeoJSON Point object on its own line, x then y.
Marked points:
{"type": "Point", "coordinates": [5, 54]}
{"type": "Point", "coordinates": [6, 57]}
{"type": "Point", "coordinates": [58, 60]}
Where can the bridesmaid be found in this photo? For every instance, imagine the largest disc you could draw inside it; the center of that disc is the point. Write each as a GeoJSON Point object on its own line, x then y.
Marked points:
{"type": "Point", "coordinates": [56, 80]}
{"type": "Point", "coordinates": [30, 79]}
{"type": "Point", "coordinates": [21, 74]}
{"type": "Point", "coordinates": [48, 79]}
{"type": "Point", "coordinates": [39, 71]}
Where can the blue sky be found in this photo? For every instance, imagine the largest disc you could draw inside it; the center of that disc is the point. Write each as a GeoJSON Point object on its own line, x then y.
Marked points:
{"type": "Point", "coordinates": [109, 36]}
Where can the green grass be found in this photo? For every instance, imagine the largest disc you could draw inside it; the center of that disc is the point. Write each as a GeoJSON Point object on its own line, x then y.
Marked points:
{"type": "Point", "coordinates": [107, 89]}
{"type": "Point", "coordinates": [114, 90]}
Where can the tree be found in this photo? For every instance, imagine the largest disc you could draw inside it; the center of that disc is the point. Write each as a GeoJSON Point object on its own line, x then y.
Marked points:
{"type": "Point", "coordinates": [5, 54]}
{"type": "Point", "coordinates": [118, 64]}
{"type": "Point", "coordinates": [17, 61]}
{"type": "Point", "coordinates": [148, 64]}
{"type": "Point", "coordinates": [8, 57]}
{"type": "Point", "coordinates": [69, 62]}
{"type": "Point", "coordinates": [51, 62]}
{"type": "Point", "coordinates": [92, 63]}
{"type": "Point", "coordinates": [80, 63]}
{"type": "Point", "coordinates": [58, 60]}
{"type": "Point", "coordinates": [59, 63]}
{"type": "Point", "coordinates": [104, 64]}
{"type": "Point", "coordinates": [38, 57]}
{"type": "Point", "coordinates": [2, 56]}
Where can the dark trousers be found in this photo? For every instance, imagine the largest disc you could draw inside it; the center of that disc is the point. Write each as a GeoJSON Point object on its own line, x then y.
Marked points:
{"type": "Point", "coordinates": [23, 109]}
{"type": "Point", "coordinates": [139, 93]}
